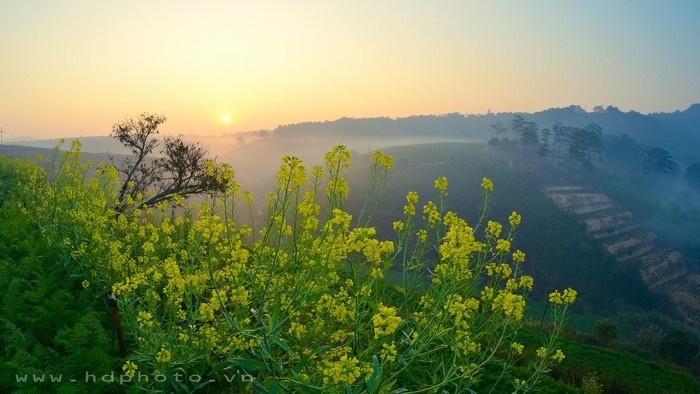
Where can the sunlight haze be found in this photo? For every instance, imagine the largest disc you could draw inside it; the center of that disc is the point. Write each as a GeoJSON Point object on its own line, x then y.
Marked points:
{"type": "Point", "coordinates": [212, 67]}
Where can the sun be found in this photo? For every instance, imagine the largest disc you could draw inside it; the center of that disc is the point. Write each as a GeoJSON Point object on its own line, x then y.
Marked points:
{"type": "Point", "coordinates": [226, 119]}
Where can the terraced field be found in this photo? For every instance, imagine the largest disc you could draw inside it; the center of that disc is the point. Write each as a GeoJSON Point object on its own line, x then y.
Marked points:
{"type": "Point", "coordinates": [663, 269]}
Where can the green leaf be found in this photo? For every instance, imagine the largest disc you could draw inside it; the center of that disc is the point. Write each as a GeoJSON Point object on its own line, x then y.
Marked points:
{"type": "Point", "coordinates": [377, 371]}
{"type": "Point", "coordinates": [248, 365]}
{"type": "Point", "coordinates": [280, 343]}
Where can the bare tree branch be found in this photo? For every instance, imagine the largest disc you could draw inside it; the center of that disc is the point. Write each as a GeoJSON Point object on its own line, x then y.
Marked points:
{"type": "Point", "coordinates": [180, 168]}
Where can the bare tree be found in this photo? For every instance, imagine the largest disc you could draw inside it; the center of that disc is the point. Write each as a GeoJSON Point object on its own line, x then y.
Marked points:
{"type": "Point", "coordinates": [177, 168]}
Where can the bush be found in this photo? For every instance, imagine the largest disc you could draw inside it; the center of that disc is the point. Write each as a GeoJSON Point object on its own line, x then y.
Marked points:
{"type": "Point", "coordinates": [50, 327]}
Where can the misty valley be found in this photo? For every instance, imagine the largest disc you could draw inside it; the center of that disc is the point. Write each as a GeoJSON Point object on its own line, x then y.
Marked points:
{"type": "Point", "coordinates": [556, 251]}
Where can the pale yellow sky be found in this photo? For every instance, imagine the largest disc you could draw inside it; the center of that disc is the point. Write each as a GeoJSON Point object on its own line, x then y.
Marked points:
{"type": "Point", "coordinates": [72, 68]}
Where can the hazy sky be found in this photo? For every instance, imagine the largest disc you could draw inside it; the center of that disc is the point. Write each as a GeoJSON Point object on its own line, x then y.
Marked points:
{"type": "Point", "coordinates": [71, 68]}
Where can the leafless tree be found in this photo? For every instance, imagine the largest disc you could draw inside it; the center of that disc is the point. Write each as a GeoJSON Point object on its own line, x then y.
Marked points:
{"type": "Point", "coordinates": [159, 169]}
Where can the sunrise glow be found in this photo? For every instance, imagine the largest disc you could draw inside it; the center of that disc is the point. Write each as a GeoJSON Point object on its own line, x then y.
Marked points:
{"type": "Point", "coordinates": [83, 67]}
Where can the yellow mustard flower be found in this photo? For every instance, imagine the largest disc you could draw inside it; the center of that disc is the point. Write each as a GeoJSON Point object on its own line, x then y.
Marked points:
{"type": "Point", "coordinates": [487, 184]}
{"type": "Point", "coordinates": [514, 219]}
{"type": "Point", "coordinates": [130, 369]}
{"type": "Point", "coordinates": [382, 160]}
{"type": "Point", "coordinates": [518, 348]}
{"type": "Point", "coordinates": [441, 185]}
{"type": "Point", "coordinates": [432, 215]}
{"type": "Point", "coordinates": [558, 356]}
{"type": "Point", "coordinates": [503, 245]}
{"type": "Point", "coordinates": [526, 282]}
{"type": "Point", "coordinates": [385, 321]}
{"type": "Point", "coordinates": [493, 229]}
{"type": "Point", "coordinates": [344, 371]}
{"type": "Point", "coordinates": [542, 352]}
{"type": "Point", "coordinates": [163, 356]}
{"type": "Point", "coordinates": [518, 256]}
{"type": "Point", "coordinates": [144, 319]}
{"type": "Point", "coordinates": [422, 235]}
{"type": "Point", "coordinates": [388, 353]}
{"type": "Point", "coordinates": [567, 298]}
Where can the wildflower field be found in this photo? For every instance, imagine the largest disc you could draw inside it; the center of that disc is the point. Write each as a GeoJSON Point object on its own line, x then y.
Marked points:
{"type": "Point", "coordinates": [214, 297]}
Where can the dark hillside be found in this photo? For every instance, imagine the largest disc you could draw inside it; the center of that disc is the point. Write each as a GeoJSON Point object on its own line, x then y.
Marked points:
{"type": "Point", "coordinates": [559, 252]}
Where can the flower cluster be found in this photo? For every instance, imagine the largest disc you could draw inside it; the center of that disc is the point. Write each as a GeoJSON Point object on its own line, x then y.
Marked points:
{"type": "Point", "coordinates": [567, 297]}
{"type": "Point", "coordinates": [385, 321]}
{"type": "Point", "coordinates": [382, 160]}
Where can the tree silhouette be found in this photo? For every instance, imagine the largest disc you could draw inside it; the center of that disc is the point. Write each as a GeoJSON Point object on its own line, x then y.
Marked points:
{"type": "Point", "coordinates": [583, 142]}
{"type": "Point", "coordinates": [544, 149]}
{"type": "Point", "coordinates": [577, 144]}
{"type": "Point", "coordinates": [179, 168]}
{"type": "Point", "coordinates": [498, 128]}
{"type": "Point", "coordinates": [518, 125]}
{"type": "Point", "coordinates": [594, 138]}
{"type": "Point", "coordinates": [525, 131]}
{"type": "Point", "coordinates": [529, 137]}
{"type": "Point", "coordinates": [658, 161]}
{"type": "Point", "coordinates": [561, 137]}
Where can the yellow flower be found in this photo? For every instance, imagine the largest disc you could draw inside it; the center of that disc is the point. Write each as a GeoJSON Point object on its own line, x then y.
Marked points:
{"type": "Point", "coordinates": [292, 173]}
{"type": "Point", "coordinates": [163, 355]}
{"type": "Point", "coordinates": [567, 298]}
{"type": "Point", "coordinates": [388, 352]}
{"type": "Point", "coordinates": [345, 370]}
{"type": "Point", "coordinates": [338, 187]}
{"type": "Point", "coordinates": [518, 348]}
{"type": "Point", "coordinates": [410, 208]}
{"type": "Point", "coordinates": [85, 284]}
{"type": "Point", "coordinates": [493, 229]}
{"type": "Point", "coordinates": [487, 293]}
{"type": "Point", "coordinates": [422, 235]}
{"type": "Point", "coordinates": [432, 215]}
{"type": "Point", "coordinates": [526, 282]}
{"type": "Point", "coordinates": [503, 245]}
{"type": "Point", "coordinates": [555, 297]}
{"type": "Point", "coordinates": [518, 256]}
{"type": "Point", "coordinates": [338, 157]}
{"type": "Point", "coordinates": [558, 356]}
{"type": "Point", "coordinates": [487, 184]}
{"type": "Point", "coordinates": [130, 369]}
{"type": "Point", "coordinates": [297, 330]}
{"type": "Point", "coordinates": [144, 319]}
{"type": "Point", "coordinates": [378, 158]}
{"type": "Point", "coordinates": [512, 305]}
{"type": "Point", "coordinates": [542, 352]}
{"type": "Point", "coordinates": [385, 322]}
{"type": "Point", "coordinates": [317, 172]}
{"type": "Point", "coordinates": [441, 185]}
{"type": "Point", "coordinates": [398, 226]}
{"type": "Point", "coordinates": [514, 219]}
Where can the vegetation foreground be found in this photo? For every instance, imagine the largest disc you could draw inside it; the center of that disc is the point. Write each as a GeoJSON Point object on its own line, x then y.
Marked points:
{"type": "Point", "coordinates": [218, 298]}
